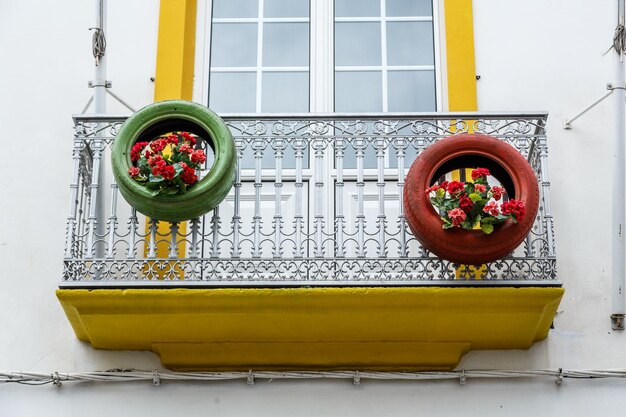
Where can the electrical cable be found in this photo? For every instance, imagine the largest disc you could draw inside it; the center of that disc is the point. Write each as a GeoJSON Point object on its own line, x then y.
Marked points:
{"type": "Point", "coordinates": [156, 376]}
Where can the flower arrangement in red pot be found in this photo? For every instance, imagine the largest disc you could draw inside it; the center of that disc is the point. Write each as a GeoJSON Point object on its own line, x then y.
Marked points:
{"type": "Point", "coordinates": [167, 165]}
{"type": "Point", "coordinates": [470, 204]}
{"type": "Point", "coordinates": [442, 216]}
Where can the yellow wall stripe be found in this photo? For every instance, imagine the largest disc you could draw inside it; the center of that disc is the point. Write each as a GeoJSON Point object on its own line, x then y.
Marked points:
{"type": "Point", "coordinates": [174, 75]}
{"type": "Point", "coordinates": [175, 50]}
{"type": "Point", "coordinates": [461, 65]}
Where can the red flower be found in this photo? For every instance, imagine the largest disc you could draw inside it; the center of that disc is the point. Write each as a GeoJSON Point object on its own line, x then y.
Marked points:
{"type": "Point", "coordinates": [187, 137]}
{"type": "Point", "coordinates": [431, 189]}
{"type": "Point", "coordinates": [189, 176]}
{"type": "Point", "coordinates": [133, 171]}
{"type": "Point", "coordinates": [173, 139]}
{"type": "Point", "coordinates": [135, 152]}
{"type": "Point", "coordinates": [443, 184]}
{"type": "Point", "coordinates": [496, 192]}
{"type": "Point", "coordinates": [492, 208]}
{"type": "Point", "coordinates": [155, 160]}
{"type": "Point", "coordinates": [455, 187]}
{"type": "Point", "coordinates": [168, 172]}
{"type": "Point", "coordinates": [185, 148]}
{"type": "Point", "coordinates": [198, 157]}
{"type": "Point", "coordinates": [457, 216]}
{"type": "Point", "coordinates": [158, 145]}
{"type": "Point", "coordinates": [480, 172]}
{"type": "Point", "coordinates": [465, 204]}
{"type": "Point", "coordinates": [514, 207]}
{"type": "Point", "coordinates": [159, 165]}
{"type": "Point", "coordinates": [481, 188]}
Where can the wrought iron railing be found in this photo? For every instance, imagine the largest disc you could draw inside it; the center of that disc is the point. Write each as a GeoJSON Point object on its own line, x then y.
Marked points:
{"type": "Point", "coordinates": [317, 200]}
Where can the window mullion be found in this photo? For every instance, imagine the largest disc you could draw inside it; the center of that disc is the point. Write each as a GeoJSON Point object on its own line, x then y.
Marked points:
{"type": "Point", "coordinates": [259, 59]}
{"type": "Point", "coordinates": [383, 44]}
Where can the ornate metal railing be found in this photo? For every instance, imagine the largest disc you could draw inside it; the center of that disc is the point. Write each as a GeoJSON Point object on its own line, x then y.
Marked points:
{"type": "Point", "coordinates": [317, 201]}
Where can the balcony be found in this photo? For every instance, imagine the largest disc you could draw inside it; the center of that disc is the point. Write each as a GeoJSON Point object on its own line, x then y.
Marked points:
{"type": "Point", "coordinates": [310, 251]}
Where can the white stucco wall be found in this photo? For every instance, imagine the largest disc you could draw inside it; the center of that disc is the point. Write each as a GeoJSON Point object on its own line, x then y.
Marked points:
{"type": "Point", "coordinates": [533, 56]}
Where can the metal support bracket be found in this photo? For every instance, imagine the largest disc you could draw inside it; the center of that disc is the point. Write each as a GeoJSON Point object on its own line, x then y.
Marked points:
{"type": "Point", "coordinates": [106, 84]}
{"type": "Point", "coordinates": [617, 321]}
{"type": "Point", "coordinates": [567, 123]}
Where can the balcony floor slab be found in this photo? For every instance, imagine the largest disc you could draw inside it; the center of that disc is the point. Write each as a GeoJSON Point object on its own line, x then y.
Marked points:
{"type": "Point", "coordinates": [365, 328]}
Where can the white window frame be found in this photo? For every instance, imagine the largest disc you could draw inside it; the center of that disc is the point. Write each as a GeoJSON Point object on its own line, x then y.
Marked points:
{"type": "Point", "coordinates": [321, 54]}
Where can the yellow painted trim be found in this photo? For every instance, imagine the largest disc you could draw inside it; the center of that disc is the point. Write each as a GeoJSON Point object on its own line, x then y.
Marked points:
{"type": "Point", "coordinates": [175, 50]}
{"type": "Point", "coordinates": [461, 66]}
{"type": "Point", "coordinates": [174, 77]}
{"type": "Point", "coordinates": [394, 328]}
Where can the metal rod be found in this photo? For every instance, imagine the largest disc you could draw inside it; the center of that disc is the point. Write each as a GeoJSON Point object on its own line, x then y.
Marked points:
{"type": "Point", "coordinates": [568, 122]}
{"type": "Point", "coordinates": [401, 145]}
{"type": "Point", "coordinates": [215, 233]}
{"type": "Point", "coordinates": [174, 241]}
{"type": "Point", "coordinates": [133, 223]}
{"type": "Point", "coordinates": [360, 145]}
{"type": "Point", "coordinates": [318, 145]}
{"type": "Point", "coordinates": [153, 238]}
{"type": "Point", "coordinates": [112, 221]}
{"type": "Point", "coordinates": [381, 219]}
{"type": "Point", "coordinates": [95, 207]}
{"type": "Point", "coordinates": [120, 100]}
{"type": "Point", "coordinates": [256, 219]}
{"type": "Point", "coordinates": [71, 219]}
{"type": "Point", "coordinates": [617, 233]}
{"type": "Point", "coordinates": [340, 221]}
{"type": "Point", "coordinates": [195, 227]}
{"type": "Point", "coordinates": [298, 216]}
{"type": "Point", "coordinates": [236, 250]}
{"type": "Point", "coordinates": [279, 146]}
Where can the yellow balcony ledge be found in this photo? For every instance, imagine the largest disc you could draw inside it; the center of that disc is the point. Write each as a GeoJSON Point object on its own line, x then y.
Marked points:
{"type": "Point", "coordinates": [371, 328]}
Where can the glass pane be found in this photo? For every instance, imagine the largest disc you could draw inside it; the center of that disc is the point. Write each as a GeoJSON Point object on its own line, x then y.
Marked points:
{"type": "Point", "coordinates": [409, 7]}
{"type": "Point", "coordinates": [410, 43]}
{"type": "Point", "coordinates": [358, 91]}
{"type": "Point", "coordinates": [286, 8]}
{"type": "Point", "coordinates": [234, 45]}
{"type": "Point", "coordinates": [362, 8]}
{"type": "Point", "coordinates": [357, 44]}
{"type": "Point", "coordinates": [235, 8]}
{"type": "Point", "coordinates": [411, 91]}
{"type": "Point", "coordinates": [286, 92]}
{"type": "Point", "coordinates": [286, 44]}
{"type": "Point", "coordinates": [233, 92]}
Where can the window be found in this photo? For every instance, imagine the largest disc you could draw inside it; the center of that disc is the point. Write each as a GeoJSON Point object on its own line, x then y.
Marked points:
{"type": "Point", "coordinates": [320, 56]}
{"type": "Point", "coordinates": [259, 56]}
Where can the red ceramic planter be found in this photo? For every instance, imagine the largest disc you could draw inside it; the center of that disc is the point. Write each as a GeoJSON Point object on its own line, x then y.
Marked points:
{"type": "Point", "coordinates": [470, 247]}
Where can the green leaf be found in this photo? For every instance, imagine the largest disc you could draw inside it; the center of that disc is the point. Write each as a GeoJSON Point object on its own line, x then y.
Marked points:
{"type": "Point", "coordinates": [475, 197]}
{"type": "Point", "coordinates": [487, 228]}
{"type": "Point", "coordinates": [169, 190]}
{"type": "Point", "coordinates": [156, 179]}
{"type": "Point", "coordinates": [447, 226]}
{"type": "Point", "coordinates": [153, 185]}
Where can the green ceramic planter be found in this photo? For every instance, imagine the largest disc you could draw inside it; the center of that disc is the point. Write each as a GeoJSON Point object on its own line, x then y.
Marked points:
{"type": "Point", "coordinates": [168, 116]}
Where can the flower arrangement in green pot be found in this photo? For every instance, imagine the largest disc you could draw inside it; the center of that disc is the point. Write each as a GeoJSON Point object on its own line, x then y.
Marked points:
{"type": "Point", "coordinates": [167, 165]}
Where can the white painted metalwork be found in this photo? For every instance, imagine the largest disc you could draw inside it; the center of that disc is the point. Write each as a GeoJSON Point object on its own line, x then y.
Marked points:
{"type": "Point", "coordinates": [618, 245]}
{"type": "Point", "coordinates": [300, 210]}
